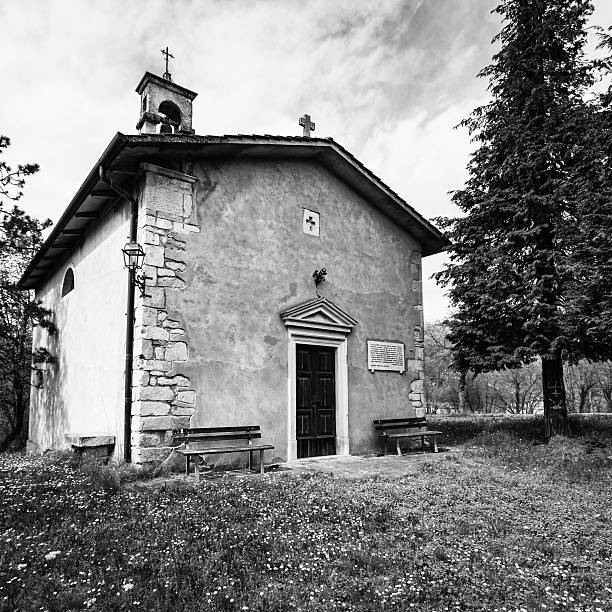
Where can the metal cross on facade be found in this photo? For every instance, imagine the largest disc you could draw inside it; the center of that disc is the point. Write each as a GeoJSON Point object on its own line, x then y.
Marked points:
{"type": "Point", "coordinates": [168, 55]}
{"type": "Point", "coordinates": [311, 222]}
{"type": "Point", "coordinates": [307, 124]}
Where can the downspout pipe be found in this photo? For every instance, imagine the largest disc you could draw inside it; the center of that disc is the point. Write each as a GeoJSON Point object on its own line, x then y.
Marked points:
{"type": "Point", "coordinates": [129, 328]}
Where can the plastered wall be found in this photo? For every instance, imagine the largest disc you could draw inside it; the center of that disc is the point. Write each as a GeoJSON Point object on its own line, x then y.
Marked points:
{"type": "Point", "coordinates": [250, 259]}
{"type": "Point", "coordinates": [83, 392]}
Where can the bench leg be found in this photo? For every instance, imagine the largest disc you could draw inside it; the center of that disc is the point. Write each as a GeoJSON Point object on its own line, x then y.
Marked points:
{"type": "Point", "coordinates": [250, 460]}
{"type": "Point", "coordinates": [435, 445]}
{"type": "Point", "coordinates": [422, 443]}
{"type": "Point", "coordinates": [197, 468]}
{"type": "Point", "coordinates": [261, 462]}
{"type": "Point", "coordinates": [187, 465]}
{"type": "Point", "coordinates": [397, 445]}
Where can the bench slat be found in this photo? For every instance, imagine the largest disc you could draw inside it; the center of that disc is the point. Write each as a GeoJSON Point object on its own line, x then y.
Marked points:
{"type": "Point", "coordinates": [189, 437]}
{"type": "Point", "coordinates": [412, 434]}
{"type": "Point", "coordinates": [217, 429]}
{"type": "Point", "coordinates": [216, 450]}
{"type": "Point", "coordinates": [405, 420]}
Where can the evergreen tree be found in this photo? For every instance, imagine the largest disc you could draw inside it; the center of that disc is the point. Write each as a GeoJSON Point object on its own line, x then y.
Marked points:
{"type": "Point", "coordinates": [520, 255]}
{"type": "Point", "coordinates": [20, 238]}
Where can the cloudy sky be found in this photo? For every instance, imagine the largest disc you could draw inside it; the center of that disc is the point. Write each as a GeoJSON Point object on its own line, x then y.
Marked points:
{"type": "Point", "coordinates": [387, 79]}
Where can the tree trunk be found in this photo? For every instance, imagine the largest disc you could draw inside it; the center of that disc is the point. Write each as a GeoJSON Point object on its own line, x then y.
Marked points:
{"type": "Point", "coordinates": [553, 388]}
{"type": "Point", "coordinates": [461, 405]}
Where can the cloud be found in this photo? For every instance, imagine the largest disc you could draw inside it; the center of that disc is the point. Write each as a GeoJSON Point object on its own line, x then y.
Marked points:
{"type": "Point", "coordinates": [388, 80]}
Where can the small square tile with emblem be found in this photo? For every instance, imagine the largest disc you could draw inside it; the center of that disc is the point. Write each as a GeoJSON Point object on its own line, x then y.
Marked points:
{"type": "Point", "coordinates": [310, 222]}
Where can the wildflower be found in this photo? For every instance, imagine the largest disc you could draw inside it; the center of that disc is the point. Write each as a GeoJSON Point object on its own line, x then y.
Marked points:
{"type": "Point", "coordinates": [128, 586]}
{"type": "Point", "coordinates": [52, 555]}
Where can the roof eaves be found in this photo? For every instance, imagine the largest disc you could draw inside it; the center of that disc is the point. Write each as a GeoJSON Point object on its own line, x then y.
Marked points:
{"type": "Point", "coordinates": [113, 148]}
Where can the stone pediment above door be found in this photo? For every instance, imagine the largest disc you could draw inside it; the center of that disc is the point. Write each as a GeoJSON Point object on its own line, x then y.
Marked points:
{"type": "Point", "coordinates": [318, 313]}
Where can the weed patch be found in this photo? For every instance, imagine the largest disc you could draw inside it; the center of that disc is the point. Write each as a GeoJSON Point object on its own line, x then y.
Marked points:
{"type": "Point", "coordinates": [489, 532]}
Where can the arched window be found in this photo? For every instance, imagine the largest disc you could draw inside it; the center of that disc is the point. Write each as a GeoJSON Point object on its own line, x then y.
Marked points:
{"type": "Point", "coordinates": [173, 115]}
{"type": "Point", "coordinates": [68, 284]}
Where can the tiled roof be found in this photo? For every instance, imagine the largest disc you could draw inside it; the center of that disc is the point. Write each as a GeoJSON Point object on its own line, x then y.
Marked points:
{"type": "Point", "coordinates": [121, 161]}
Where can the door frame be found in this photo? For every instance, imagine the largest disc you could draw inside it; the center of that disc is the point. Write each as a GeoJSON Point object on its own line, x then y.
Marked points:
{"type": "Point", "coordinates": [319, 338]}
{"type": "Point", "coordinates": [320, 322]}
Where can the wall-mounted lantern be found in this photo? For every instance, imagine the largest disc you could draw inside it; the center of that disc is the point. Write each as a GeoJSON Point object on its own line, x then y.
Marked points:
{"type": "Point", "coordinates": [133, 256]}
{"type": "Point", "coordinates": [133, 260]}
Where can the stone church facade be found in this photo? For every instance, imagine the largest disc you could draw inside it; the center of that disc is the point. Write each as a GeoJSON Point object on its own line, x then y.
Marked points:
{"type": "Point", "coordinates": [231, 328]}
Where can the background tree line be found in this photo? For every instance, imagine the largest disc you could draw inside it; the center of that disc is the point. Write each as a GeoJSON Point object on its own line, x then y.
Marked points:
{"type": "Point", "coordinates": [20, 237]}
{"type": "Point", "coordinates": [514, 391]}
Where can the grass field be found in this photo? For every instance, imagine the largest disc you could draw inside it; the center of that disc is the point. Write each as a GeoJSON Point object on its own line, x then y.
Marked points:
{"type": "Point", "coordinates": [502, 525]}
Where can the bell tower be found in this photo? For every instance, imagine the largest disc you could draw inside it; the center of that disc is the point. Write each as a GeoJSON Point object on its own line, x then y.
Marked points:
{"type": "Point", "coordinates": [165, 107]}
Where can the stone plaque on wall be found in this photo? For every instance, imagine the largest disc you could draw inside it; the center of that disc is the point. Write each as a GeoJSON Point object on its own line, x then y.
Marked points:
{"type": "Point", "coordinates": [386, 356]}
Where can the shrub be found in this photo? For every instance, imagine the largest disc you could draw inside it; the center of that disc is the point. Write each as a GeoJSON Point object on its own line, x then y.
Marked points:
{"type": "Point", "coordinates": [461, 428]}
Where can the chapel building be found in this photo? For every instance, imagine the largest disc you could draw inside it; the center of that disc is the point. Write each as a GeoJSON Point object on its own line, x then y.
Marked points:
{"type": "Point", "coordinates": [281, 288]}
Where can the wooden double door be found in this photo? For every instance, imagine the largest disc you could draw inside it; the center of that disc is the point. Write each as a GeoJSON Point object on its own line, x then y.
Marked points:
{"type": "Point", "coordinates": [315, 401]}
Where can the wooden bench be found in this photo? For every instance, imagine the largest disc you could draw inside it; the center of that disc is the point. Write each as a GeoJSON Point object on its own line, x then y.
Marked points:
{"type": "Point", "coordinates": [398, 429]}
{"type": "Point", "coordinates": [194, 437]}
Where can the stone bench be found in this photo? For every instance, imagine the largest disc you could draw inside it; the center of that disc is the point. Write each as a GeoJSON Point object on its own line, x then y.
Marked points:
{"type": "Point", "coordinates": [91, 444]}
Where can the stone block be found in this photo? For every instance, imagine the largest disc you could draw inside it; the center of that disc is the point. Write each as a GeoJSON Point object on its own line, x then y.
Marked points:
{"type": "Point", "coordinates": [183, 410]}
{"type": "Point", "coordinates": [172, 282]}
{"type": "Point", "coordinates": [150, 408]}
{"type": "Point", "coordinates": [140, 378]}
{"type": "Point", "coordinates": [151, 237]}
{"type": "Point", "coordinates": [145, 316]}
{"type": "Point", "coordinates": [172, 323]}
{"type": "Point", "coordinates": [165, 196]}
{"type": "Point", "coordinates": [165, 272]}
{"type": "Point", "coordinates": [154, 364]}
{"type": "Point", "coordinates": [143, 348]}
{"type": "Point", "coordinates": [146, 220]}
{"type": "Point", "coordinates": [415, 397]}
{"type": "Point", "coordinates": [180, 381]}
{"type": "Point", "coordinates": [415, 365]}
{"type": "Point", "coordinates": [155, 333]}
{"type": "Point", "coordinates": [181, 421]}
{"type": "Point", "coordinates": [159, 352]}
{"type": "Point", "coordinates": [155, 256]}
{"type": "Point", "coordinates": [146, 440]}
{"type": "Point", "coordinates": [151, 455]}
{"type": "Point", "coordinates": [415, 268]}
{"type": "Point", "coordinates": [416, 386]}
{"type": "Point", "coordinates": [151, 273]}
{"type": "Point", "coordinates": [178, 266]}
{"type": "Point", "coordinates": [419, 353]}
{"type": "Point", "coordinates": [186, 397]}
{"type": "Point", "coordinates": [153, 423]}
{"type": "Point", "coordinates": [176, 351]}
{"type": "Point", "coordinates": [162, 223]}
{"type": "Point", "coordinates": [89, 440]}
{"type": "Point", "coordinates": [157, 393]}
{"type": "Point", "coordinates": [416, 286]}
{"type": "Point", "coordinates": [162, 315]}
{"type": "Point", "coordinates": [175, 254]}
{"type": "Point", "coordinates": [156, 297]}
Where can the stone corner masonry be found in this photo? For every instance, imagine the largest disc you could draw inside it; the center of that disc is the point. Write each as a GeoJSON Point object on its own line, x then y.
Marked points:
{"type": "Point", "coordinates": [162, 397]}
